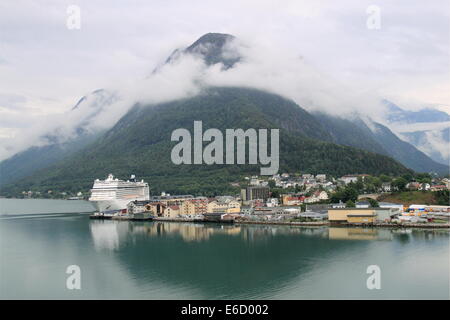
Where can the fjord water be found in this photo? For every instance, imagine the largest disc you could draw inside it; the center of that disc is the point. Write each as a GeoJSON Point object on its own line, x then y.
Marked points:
{"type": "Point", "coordinates": [39, 239]}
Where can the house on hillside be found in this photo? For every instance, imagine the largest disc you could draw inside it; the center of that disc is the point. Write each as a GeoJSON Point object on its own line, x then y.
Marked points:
{"type": "Point", "coordinates": [425, 187]}
{"type": "Point", "coordinates": [438, 187]}
{"type": "Point", "coordinates": [352, 178]}
{"type": "Point", "coordinates": [321, 195]}
{"type": "Point", "coordinates": [413, 186]}
{"type": "Point", "coordinates": [446, 182]}
{"type": "Point", "coordinates": [386, 187]}
{"type": "Point", "coordinates": [321, 177]}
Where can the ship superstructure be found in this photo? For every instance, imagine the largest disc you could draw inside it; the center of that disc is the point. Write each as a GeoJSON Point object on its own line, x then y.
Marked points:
{"type": "Point", "coordinates": [113, 194]}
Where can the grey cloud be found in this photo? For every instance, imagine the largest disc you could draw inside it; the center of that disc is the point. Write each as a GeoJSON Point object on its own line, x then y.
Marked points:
{"type": "Point", "coordinates": [345, 67]}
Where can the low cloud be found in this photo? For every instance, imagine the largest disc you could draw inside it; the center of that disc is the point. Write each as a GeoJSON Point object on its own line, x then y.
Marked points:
{"type": "Point", "coordinates": [263, 65]}
{"type": "Point", "coordinates": [320, 55]}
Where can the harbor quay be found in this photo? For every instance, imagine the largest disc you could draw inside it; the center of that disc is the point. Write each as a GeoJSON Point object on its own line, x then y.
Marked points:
{"type": "Point", "coordinates": [257, 203]}
{"type": "Point", "coordinates": [284, 223]}
{"type": "Point", "coordinates": [237, 220]}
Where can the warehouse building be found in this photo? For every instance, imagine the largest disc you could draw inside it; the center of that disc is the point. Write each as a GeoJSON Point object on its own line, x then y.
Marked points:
{"type": "Point", "coordinates": [359, 215]}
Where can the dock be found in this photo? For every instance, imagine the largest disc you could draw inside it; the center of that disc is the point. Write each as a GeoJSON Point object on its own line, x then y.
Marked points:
{"type": "Point", "coordinates": [140, 217]}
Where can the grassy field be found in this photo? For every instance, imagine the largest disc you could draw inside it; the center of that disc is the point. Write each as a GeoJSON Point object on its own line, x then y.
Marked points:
{"type": "Point", "coordinates": [409, 197]}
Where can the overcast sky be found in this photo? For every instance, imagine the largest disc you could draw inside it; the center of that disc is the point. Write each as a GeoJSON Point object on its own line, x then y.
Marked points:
{"type": "Point", "coordinates": [46, 67]}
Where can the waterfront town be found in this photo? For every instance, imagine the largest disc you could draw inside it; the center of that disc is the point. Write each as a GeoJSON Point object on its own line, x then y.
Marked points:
{"type": "Point", "coordinates": [305, 199]}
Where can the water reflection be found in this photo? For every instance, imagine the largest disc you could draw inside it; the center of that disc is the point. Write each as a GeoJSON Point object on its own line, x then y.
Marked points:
{"type": "Point", "coordinates": [108, 234]}
{"type": "Point", "coordinates": [155, 260]}
{"type": "Point", "coordinates": [250, 261]}
{"type": "Point", "coordinates": [187, 231]}
{"type": "Point", "coordinates": [356, 233]}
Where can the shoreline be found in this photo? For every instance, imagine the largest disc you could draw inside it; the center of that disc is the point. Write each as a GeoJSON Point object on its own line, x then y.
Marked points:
{"type": "Point", "coordinates": [299, 224]}
{"type": "Point", "coordinates": [375, 225]}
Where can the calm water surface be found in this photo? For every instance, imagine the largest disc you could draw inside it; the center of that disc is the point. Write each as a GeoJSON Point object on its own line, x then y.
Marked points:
{"type": "Point", "coordinates": [39, 239]}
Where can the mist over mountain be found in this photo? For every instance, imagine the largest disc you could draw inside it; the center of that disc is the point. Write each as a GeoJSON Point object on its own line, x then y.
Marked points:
{"type": "Point", "coordinates": [434, 142]}
{"type": "Point", "coordinates": [212, 48]}
{"type": "Point", "coordinates": [62, 139]}
{"type": "Point", "coordinates": [426, 129]}
{"type": "Point", "coordinates": [397, 114]}
{"type": "Point", "coordinates": [140, 144]}
{"type": "Point", "coordinates": [366, 134]}
{"type": "Point", "coordinates": [99, 134]}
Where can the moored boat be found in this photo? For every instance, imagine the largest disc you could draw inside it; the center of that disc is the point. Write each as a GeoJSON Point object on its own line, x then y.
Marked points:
{"type": "Point", "coordinates": [114, 194]}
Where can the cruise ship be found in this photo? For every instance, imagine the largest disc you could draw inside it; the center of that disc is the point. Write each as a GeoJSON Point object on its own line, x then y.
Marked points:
{"type": "Point", "coordinates": [113, 194]}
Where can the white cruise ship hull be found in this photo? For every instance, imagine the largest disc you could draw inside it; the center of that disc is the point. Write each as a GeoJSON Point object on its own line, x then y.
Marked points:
{"type": "Point", "coordinates": [108, 205]}
{"type": "Point", "coordinates": [114, 194]}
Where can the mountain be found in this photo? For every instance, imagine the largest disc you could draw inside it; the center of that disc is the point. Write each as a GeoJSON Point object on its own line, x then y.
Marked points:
{"type": "Point", "coordinates": [29, 161]}
{"type": "Point", "coordinates": [405, 152]}
{"type": "Point", "coordinates": [426, 129]}
{"type": "Point", "coordinates": [212, 48]}
{"type": "Point", "coordinates": [350, 132]}
{"type": "Point", "coordinates": [373, 136]}
{"type": "Point", "coordinates": [91, 106]}
{"type": "Point", "coordinates": [397, 114]}
{"type": "Point", "coordinates": [140, 144]}
{"type": "Point", "coordinates": [53, 148]}
{"type": "Point", "coordinates": [433, 142]}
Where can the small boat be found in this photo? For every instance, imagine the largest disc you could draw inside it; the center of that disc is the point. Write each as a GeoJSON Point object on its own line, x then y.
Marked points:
{"type": "Point", "coordinates": [105, 215]}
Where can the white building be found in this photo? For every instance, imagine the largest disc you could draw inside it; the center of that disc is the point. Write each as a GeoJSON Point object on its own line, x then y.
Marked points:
{"type": "Point", "coordinates": [272, 202]}
{"type": "Point", "coordinates": [348, 179]}
{"type": "Point", "coordinates": [386, 187]}
{"type": "Point", "coordinates": [425, 186]}
{"type": "Point", "coordinates": [321, 177]}
{"type": "Point", "coordinates": [321, 195]}
{"type": "Point", "coordinates": [362, 204]}
{"type": "Point", "coordinates": [395, 207]}
{"type": "Point", "coordinates": [352, 178]}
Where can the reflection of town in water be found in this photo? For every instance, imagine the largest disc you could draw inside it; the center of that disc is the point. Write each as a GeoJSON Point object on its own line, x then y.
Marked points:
{"type": "Point", "coordinates": [108, 234]}
{"type": "Point", "coordinates": [248, 260]}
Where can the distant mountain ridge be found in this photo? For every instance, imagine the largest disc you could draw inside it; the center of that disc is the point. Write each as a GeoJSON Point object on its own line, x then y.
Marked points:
{"type": "Point", "coordinates": [375, 137]}
{"type": "Point", "coordinates": [435, 143]}
{"type": "Point", "coordinates": [53, 148]}
{"type": "Point", "coordinates": [432, 140]}
{"type": "Point", "coordinates": [397, 114]}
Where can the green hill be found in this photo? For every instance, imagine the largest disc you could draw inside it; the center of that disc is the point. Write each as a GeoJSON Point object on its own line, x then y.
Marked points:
{"type": "Point", "coordinates": [140, 144]}
{"type": "Point", "coordinates": [380, 139]}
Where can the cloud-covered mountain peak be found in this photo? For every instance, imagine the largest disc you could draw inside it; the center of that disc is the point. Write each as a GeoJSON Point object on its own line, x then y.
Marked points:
{"type": "Point", "coordinates": [213, 48]}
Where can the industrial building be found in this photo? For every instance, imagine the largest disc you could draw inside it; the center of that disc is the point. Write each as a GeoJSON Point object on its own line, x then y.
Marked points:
{"type": "Point", "coordinates": [359, 215]}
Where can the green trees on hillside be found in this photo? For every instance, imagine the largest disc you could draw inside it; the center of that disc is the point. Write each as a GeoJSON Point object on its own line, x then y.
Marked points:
{"type": "Point", "coordinates": [373, 203]}
{"type": "Point", "coordinates": [140, 144]}
{"type": "Point", "coordinates": [347, 193]}
{"type": "Point", "coordinates": [350, 204]}
{"type": "Point", "coordinates": [442, 197]}
{"type": "Point", "coordinates": [400, 183]}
